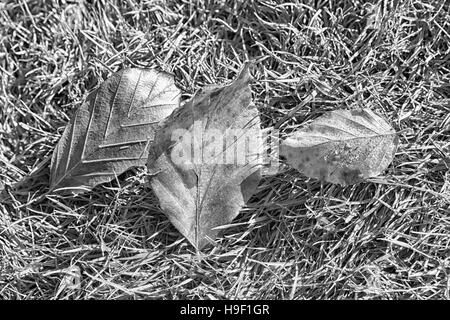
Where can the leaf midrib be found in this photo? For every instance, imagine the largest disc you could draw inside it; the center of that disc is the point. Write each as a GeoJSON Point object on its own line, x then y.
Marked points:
{"type": "Point", "coordinates": [199, 206]}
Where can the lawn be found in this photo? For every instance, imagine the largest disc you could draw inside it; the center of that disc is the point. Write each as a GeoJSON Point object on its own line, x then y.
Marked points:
{"type": "Point", "coordinates": [297, 238]}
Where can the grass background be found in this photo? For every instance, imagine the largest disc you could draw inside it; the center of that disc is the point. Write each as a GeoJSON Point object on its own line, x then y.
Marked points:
{"type": "Point", "coordinates": [387, 238]}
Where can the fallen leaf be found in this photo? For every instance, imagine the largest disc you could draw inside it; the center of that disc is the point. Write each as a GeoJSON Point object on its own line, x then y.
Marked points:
{"type": "Point", "coordinates": [110, 132]}
{"type": "Point", "coordinates": [200, 170]}
{"type": "Point", "coordinates": [342, 146]}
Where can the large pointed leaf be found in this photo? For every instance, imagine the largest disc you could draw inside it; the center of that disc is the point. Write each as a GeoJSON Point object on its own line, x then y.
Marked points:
{"type": "Point", "coordinates": [342, 146]}
{"type": "Point", "coordinates": [110, 132]}
{"type": "Point", "coordinates": [201, 187]}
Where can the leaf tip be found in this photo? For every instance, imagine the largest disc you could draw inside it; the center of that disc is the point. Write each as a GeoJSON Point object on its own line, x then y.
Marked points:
{"type": "Point", "coordinates": [244, 74]}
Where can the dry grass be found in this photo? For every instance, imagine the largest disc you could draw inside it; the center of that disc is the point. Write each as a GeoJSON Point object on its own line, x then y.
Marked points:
{"type": "Point", "coordinates": [388, 238]}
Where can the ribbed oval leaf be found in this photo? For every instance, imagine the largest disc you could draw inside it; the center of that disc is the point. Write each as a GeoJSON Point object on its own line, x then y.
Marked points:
{"type": "Point", "coordinates": [202, 179]}
{"type": "Point", "coordinates": [342, 146]}
{"type": "Point", "coordinates": [111, 130]}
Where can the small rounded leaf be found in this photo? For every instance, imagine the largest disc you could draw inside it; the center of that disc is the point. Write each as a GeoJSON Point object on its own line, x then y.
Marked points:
{"type": "Point", "coordinates": [342, 146]}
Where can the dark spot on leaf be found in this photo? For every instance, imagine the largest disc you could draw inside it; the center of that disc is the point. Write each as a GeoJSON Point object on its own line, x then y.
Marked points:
{"type": "Point", "coordinates": [245, 100]}
{"type": "Point", "coordinates": [190, 178]}
{"type": "Point", "coordinates": [357, 112]}
{"type": "Point", "coordinates": [350, 176]}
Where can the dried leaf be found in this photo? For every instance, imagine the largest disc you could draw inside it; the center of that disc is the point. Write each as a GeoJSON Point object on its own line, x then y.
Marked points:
{"type": "Point", "coordinates": [71, 280]}
{"type": "Point", "coordinates": [202, 173]}
{"type": "Point", "coordinates": [110, 132]}
{"type": "Point", "coordinates": [342, 146]}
